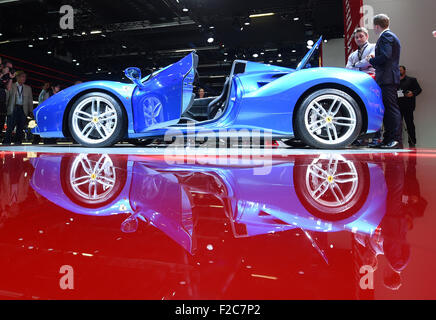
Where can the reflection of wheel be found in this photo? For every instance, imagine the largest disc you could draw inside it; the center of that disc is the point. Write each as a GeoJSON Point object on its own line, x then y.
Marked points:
{"type": "Point", "coordinates": [141, 142]}
{"type": "Point", "coordinates": [328, 119]}
{"type": "Point", "coordinates": [96, 120]}
{"type": "Point", "coordinates": [296, 143]}
{"type": "Point", "coordinates": [331, 187]}
{"type": "Point", "coordinates": [91, 180]}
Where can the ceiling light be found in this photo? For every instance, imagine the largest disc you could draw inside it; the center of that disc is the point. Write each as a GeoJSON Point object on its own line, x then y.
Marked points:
{"type": "Point", "coordinates": [41, 38]}
{"type": "Point", "coordinates": [83, 33]}
{"type": "Point", "coordinates": [124, 47]}
{"type": "Point", "coordinates": [211, 27]}
{"type": "Point", "coordinates": [200, 26]}
{"type": "Point", "coordinates": [49, 52]}
{"type": "Point", "coordinates": [279, 54]}
{"type": "Point", "coordinates": [1, 34]}
{"type": "Point", "coordinates": [74, 60]}
{"type": "Point", "coordinates": [77, 64]}
{"type": "Point", "coordinates": [262, 53]}
{"type": "Point", "coordinates": [325, 41]}
{"type": "Point", "coordinates": [255, 55]}
{"type": "Point", "coordinates": [310, 42]}
{"type": "Point", "coordinates": [279, 60]}
{"type": "Point", "coordinates": [96, 31]}
{"type": "Point", "coordinates": [261, 15]}
{"type": "Point", "coordinates": [294, 51]}
{"type": "Point", "coordinates": [30, 45]}
{"type": "Point", "coordinates": [185, 9]}
{"type": "Point", "coordinates": [59, 37]}
{"type": "Point", "coordinates": [309, 47]}
{"type": "Point", "coordinates": [247, 23]}
{"type": "Point", "coordinates": [210, 40]}
{"type": "Point", "coordinates": [296, 19]}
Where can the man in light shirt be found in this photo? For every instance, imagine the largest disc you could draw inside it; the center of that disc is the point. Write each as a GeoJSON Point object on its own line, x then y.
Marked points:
{"type": "Point", "coordinates": [357, 60]}
{"type": "Point", "coordinates": [20, 105]}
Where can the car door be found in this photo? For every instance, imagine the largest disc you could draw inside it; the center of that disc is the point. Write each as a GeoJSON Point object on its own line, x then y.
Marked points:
{"type": "Point", "coordinates": [164, 96]}
{"type": "Point", "coordinates": [309, 54]}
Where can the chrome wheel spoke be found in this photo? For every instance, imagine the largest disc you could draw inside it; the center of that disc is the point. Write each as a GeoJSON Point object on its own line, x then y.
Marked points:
{"type": "Point", "coordinates": [345, 177]}
{"type": "Point", "coordinates": [315, 126]}
{"type": "Point", "coordinates": [337, 121]}
{"type": "Point", "coordinates": [320, 190]}
{"type": "Point", "coordinates": [339, 196]}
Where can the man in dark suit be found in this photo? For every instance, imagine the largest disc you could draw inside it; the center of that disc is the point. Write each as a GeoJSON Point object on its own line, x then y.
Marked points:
{"type": "Point", "coordinates": [387, 74]}
{"type": "Point", "coordinates": [409, 89]}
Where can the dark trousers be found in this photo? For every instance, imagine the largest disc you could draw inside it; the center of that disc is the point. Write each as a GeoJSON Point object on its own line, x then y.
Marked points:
{"type": "Point", "coordinates": [392, 118]}
{"type": "Point", "coordinates": [407, 114]}
{"type": "Point", "coordinates": [16, 119]}
{"type": "Point", "coordinates": [2, 122]}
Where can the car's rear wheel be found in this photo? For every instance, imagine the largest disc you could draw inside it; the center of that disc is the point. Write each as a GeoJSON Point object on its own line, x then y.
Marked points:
{"type": "Point", "coordinates": [328, 119]}
{"type": "Point", "coordinates": [96, 120]}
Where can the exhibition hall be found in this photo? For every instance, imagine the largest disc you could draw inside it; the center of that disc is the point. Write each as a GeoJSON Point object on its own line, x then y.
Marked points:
{"type": "Point", "coordinates": [207, 152]}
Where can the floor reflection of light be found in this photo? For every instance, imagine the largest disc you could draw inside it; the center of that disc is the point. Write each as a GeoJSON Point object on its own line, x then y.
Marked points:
{"type": "Point", "coordinates": [263, 276]}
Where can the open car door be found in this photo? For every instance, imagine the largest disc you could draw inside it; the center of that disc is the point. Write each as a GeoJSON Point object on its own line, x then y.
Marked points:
{"type": "Point", "coordinates": [164, 95]}
{"type": "Point", "coordinates": [309, 55]}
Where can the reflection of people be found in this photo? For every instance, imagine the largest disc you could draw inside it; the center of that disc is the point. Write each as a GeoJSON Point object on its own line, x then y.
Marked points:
{"type": "Point", "coordinates": [409, 90]}
{"type": "Point", "coordinates": [386, 62]}
{"type": "Point", "coordinates": [14, 185]}
{"type": "Point", "coordinates": [404, 204]}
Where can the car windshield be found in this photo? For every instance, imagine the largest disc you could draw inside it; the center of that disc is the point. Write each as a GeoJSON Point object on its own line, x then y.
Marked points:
{"type": "Point", "coordinates": [151, 75]}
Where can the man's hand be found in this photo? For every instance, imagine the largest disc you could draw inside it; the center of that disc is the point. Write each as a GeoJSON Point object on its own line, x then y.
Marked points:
{"type": "Point", "coordinates": [369, 57]}
{"type": "Point", "coordinates": [409, 94]}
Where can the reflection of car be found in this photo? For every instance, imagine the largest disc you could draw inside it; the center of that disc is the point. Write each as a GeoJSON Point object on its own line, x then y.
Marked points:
{"type": "Point", "coordinates": [324, 107]}
{"type": "Point", "coordinates": [328, 193]}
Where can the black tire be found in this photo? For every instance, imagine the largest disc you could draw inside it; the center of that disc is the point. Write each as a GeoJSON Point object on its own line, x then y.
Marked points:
{"type": "Point", "coordinates": [118, 131]}
{"type": "Point", "coordinates": [349, 136]}
{"type": "Point", "coordinates": [141, 142]}
{"type": "Point", "coordinates": [296, 143]}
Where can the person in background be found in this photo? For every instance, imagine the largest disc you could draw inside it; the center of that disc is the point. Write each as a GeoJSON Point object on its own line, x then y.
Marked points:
{"type": "Point", "coordinates": [55, 88]}
{"type": "Point", "coordinates": [357, 61]}
{"type": "Point", "coordinates": [19, 106]}
{"type": "Point", "coordinates": [387, 74]}
{"type": "Point", "coordinates": [44, 90]}
{"type": "Point", "coordinates": [409, 90]}
{"type": "Point", "coordinates": [5, 85]}
{"type": "Point", "coordinates": [201, 93]}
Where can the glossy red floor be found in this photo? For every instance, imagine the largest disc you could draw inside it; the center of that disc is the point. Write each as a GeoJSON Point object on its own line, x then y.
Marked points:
{"type": "Point", "coordinates": [135, 227]}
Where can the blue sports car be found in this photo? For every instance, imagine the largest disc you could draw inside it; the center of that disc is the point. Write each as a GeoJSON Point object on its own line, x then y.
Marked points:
{"type": "Point", "coordinates": [323, 107]}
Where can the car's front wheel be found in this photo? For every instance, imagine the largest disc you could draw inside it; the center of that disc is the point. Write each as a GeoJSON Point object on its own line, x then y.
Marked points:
{"type": "Point", "coordinates": [328, 119]}
{"type": "Point", "coordinates": [96, 120]}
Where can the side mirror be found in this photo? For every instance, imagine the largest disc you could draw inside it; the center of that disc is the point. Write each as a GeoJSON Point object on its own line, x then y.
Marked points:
{"type": "Point", "coordinates": [134, 74]}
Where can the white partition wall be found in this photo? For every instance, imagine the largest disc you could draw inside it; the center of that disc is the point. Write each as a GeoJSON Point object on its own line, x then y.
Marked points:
{"type": "Point", "coordinates": [413, 21]}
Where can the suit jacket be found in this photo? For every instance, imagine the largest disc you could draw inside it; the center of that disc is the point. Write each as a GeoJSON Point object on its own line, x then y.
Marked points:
{"type": "Point", "coordinates": [355, 63]}
{"type": "Point", "coordinates": [387, 59]}
{"type": "Point", "coordinates": [409, 84]}
{"type": "Point", "coordinates": [27, 99]}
